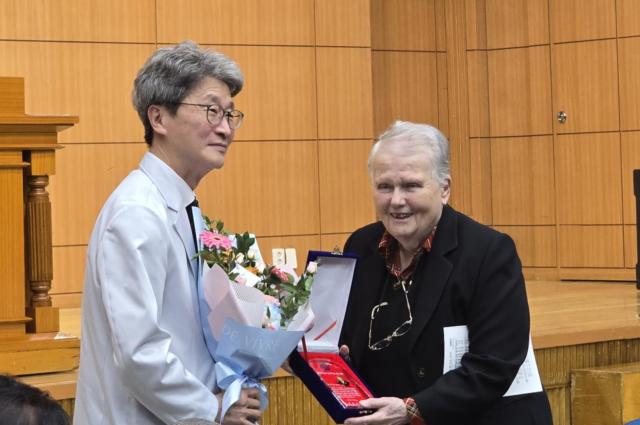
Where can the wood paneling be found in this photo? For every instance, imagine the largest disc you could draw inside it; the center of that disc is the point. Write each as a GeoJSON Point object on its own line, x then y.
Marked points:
{"type": "Point", "coordinates": [343, 23]}
{"type": "Point", "coordinates": [517, 23]}
{"type": "Point", "coordinates": [405, 87]}
{"type": "Point", "coordinates": [268, 188]}
{"type": "Point", "coordinates": [520, 91]}
{"type": "Point", "coordinates": [590, 246]}
{"type": "Point", "coordinates": [257, 22]}
{"type": "Point", "coordinates": [87, 174]}
{"type": "Point", "coordinates": [478, 94]}
{"type": "Point", "coordinates": [628, 14]}
{"type": "Point", "coordinates": [68, 269]}
{"type": "Point", "coordinates": [588, 182]}
{"type": "Point", "coordinates": [585, 84]}
{"type": "Point", "coordinates": [476, 24]}
{"type": "Point", "coordinates": [441, 33]}
{"type": "Point", "coordinates": [573, 20]}
{"type": "Point", "coordinates": [12, 230]}
{"type": "Point", "coordinates": [630, 145]}
{"type": "Point", "coordinates": [480, 176]}
{"type": "Point", "coordinates": [345, 104]}
{"type": "Point", "coordinates": [345, 188]}
{"type": "Point", "coordinates": [331, 241]}
{"type": "Point", "coordinates": [536, 244]}
{"type": "Point", "coordinates": [79, 20]}
{"type": "Point", "coordinates": [522, 186]}
{"type": "Point", "coordinates": [92, 81]}
{"type": "Point", "coordinates": [302, 245]}
{"type": "Point", "coordinates": [443, 96]}
{"type": "Point", "coordinates": [630, 246]}
{"type": "Point", "coordinates": [279, 101]}
{"type": "Point", "coordinates": [629, 69]}
{"type": "Point", "coordinates": [403, 25]}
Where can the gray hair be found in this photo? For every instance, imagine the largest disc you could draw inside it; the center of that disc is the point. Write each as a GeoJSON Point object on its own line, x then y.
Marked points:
{"type": "Point", "coordinates": [171, 73]}
{"type": "Point", "coordinates": [422, 135]}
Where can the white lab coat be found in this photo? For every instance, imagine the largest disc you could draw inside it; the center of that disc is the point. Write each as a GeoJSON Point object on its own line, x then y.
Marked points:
{"type": "Point", "coordinates": [143, 358]}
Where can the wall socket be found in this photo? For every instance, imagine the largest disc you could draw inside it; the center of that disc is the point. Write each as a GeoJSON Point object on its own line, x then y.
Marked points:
{"type": "Point", "coordinates": [278, 257]}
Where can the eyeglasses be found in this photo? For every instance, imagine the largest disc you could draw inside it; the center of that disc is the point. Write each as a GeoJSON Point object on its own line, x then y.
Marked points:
{"type": "Point", "coordinates": [215, 113]}
{"type": "Point", "coordinates": [399, 331]}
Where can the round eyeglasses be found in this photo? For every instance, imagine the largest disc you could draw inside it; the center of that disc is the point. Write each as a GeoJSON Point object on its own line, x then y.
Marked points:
{"type": "Point", "coordinates": [215, 114]}
{"type": "Point", "coordinates": [399, 331]}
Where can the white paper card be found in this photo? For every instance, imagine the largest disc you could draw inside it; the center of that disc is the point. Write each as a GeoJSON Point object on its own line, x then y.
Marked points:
{"type": "Point", "coordinates": [456, 344]}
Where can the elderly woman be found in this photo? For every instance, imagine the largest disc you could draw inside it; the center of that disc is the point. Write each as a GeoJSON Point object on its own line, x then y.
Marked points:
{"type": "Point", "coordinates": [425, 267]}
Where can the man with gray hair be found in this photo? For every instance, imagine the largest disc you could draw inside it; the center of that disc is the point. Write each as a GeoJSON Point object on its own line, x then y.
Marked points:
{"type": "Point", "coordinates": [144, 360]}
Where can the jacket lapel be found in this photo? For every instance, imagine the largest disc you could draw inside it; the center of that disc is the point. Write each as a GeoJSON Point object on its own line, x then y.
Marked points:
{"type": "Point", "coordinates": [183, 228]}
{"type": "Point", "coordinates": [433, 272]}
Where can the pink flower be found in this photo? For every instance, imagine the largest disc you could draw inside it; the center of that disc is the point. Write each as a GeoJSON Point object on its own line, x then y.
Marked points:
{"type": "Point", "coordinates": [280, 274]}
{"type": "Point", "coordinates": [215, 240]}
{"type": "Point", "coordinates": [271, 300]}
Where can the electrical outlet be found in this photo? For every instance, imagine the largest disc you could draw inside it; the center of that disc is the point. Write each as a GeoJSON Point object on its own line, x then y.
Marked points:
{"type": "Point", "coordinates": [291, 257]}
{"type": "Point", "coordinates": [278, 257]}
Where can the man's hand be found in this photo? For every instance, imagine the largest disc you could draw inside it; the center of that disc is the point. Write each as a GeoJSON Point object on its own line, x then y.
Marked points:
{"type": "Point", "coordinates": [245, 411]}
{"type": "Point", "coordinates": [388, 411]}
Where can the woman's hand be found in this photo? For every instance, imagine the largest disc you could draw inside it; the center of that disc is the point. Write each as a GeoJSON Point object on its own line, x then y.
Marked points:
{"type": "Point", "coordinates": [388, 411]}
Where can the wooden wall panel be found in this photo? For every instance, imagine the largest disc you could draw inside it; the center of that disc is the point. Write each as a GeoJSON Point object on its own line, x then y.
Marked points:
{"type": "Point", "coordinates": [590, 246]}
{"type": "Point", "coordinates": [522, 180]}
{"type": "Point", "coordinates": [92, 81]}
{"type": "Point", "coordinates": [630, 246]}
{"type": "Point", "coordinates": [405, 87]}
{"type": "Point", "coordinates": [279, 96]}
{"type": "Point", "coordinates": [79, 20]}
{"type": "Point", "coordinates": [302, 245]}
{"type": "Point", "coordinates": [256, 22]}
{"type": "Point", "coordinates": [588, 182]}
{"type": "Point", "coordinates": [476, 24]}
{"type": "Point", "coordinates": [330, 241]}
{"type": "Point", "coordinates": [629, 70]}
{"type": "Point", "coordinates": [585, 84]}
{"type": "Point", "coordinates": [443, 95]}
{"type": "Point", "coordinates": [343, 23]}
{"type": "Point", "coordinates": [68, 269]}
{"type": "Point", "coordinates": [536, 244]}
{"type": "Point", "coordinates": [477, 70]}
{"type": "Point", "coordinates": [517, 23]}
{"type": "Point", "coordinates": [441, 33]}
{"type": "Point", "coordinates": [520, 91]}
{"type": "Point", "coordinates": [573, 20]}
{"type": "Point", "coordinates": [630, 153]}
{"type": "Point", "coordinates": [268, 188]}
{"type": "Point", "coordinates": [345, 187]}
{"type": "Point", "coordinates": [628, 14]}
{"type": "Point", "coordinates": [86, 176]}
{"type": "Point", "coordinates": [403, 25]}
{"type": "Point", "coordinates": [480, 176]}
{"type": "Point", "coordinates": [345, 103]}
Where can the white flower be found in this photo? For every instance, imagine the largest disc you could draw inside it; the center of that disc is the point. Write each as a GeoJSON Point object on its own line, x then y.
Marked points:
{"type": "Point", "coordinates": [260, 267]}
{"type": "Point", "coordinates": [312, 267]}
{"type": "Point", "coordinates": [240, 258]}
{"type": "Point", "coordinates": [251, 255]}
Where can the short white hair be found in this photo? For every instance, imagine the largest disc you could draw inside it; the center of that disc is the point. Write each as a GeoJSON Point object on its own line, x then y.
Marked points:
{"type": "Point", "coordinates": [431, 138]}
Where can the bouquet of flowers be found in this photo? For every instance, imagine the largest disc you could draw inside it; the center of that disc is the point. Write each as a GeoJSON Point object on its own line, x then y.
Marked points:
{"type": "Point", "coordinates": [253, 314]}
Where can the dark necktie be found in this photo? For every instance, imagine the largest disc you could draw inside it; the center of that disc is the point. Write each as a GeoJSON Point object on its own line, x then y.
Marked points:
{"type": "Point", "coordinates": [191, 222]}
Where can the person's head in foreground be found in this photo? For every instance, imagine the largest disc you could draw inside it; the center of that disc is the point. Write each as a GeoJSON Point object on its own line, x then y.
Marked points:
{"type": "Point", "coordinates": [22, 404]}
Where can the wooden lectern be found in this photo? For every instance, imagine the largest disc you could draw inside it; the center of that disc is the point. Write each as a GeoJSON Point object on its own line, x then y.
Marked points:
{"type": "Point", "coordinates": [29, 340]}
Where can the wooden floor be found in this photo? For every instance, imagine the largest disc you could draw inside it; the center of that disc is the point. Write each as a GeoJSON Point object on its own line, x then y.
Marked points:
{"type": "Point", "coordinates": [562, 313]}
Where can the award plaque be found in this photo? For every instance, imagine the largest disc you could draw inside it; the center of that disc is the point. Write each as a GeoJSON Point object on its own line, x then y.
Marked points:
{"type": "Point", "coordinates": [317, 363]}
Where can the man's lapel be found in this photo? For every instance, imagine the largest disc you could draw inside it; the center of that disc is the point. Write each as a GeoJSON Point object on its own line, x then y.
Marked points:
{"type": "Point", "coordinates": [183, 228]}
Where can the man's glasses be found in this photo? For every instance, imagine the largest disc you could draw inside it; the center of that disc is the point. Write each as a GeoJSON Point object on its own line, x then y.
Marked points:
{"type": "Point", "coordinates": [215, 114]}
{"type": "Point", "coordinates": [400, 330]}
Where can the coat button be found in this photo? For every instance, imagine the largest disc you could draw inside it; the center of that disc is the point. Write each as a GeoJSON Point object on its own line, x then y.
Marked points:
{"type": "Point", "coordinates": [421, 372]}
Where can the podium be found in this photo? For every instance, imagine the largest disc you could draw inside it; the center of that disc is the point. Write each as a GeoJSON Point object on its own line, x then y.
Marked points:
{"type": "Point", "coordinates": [29, 324]}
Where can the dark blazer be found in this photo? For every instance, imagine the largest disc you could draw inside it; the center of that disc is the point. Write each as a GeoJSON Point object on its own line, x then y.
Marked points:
{"type": "Point", "coordinates": [472, 277]}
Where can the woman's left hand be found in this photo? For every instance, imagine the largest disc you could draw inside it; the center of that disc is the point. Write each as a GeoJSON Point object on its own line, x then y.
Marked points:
{"type": "Point", "coordinates": [388, 411]}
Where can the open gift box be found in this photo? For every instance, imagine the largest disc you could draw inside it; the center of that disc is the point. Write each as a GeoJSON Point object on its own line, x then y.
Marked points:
{"type": "Point", "coordinates": [317, 363]}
